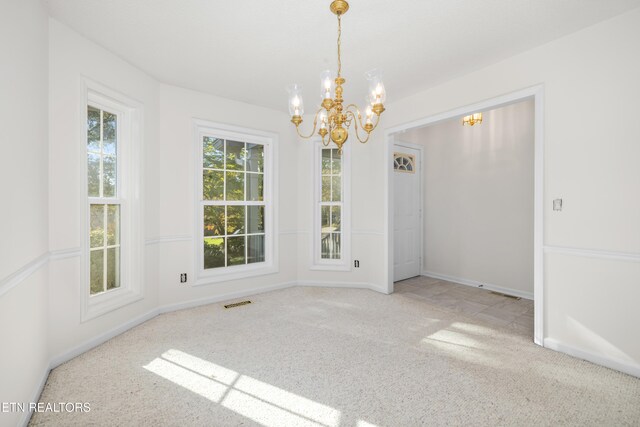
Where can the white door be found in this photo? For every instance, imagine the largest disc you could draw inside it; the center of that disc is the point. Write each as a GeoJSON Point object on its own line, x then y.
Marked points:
{"type": "Point", "coordinates": [407, 230]}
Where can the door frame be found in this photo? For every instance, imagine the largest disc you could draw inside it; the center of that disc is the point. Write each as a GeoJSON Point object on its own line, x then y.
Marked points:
{"type": "Point", "coordinates": [535, 92]}
{"type": "Point", "coordinates": [420, 149]}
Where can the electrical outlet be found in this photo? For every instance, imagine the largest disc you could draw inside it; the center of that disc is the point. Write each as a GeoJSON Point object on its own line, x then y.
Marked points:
{"type": "Point", "coordinates": [557, 204]}
{"type": "Point", "coordinates": [356, 263]}
{"type": "Point", "coordinates": [183, 278]}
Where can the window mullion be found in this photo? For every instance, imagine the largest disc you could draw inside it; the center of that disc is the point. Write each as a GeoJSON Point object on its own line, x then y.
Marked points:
{"type": "Point", "coordinates": [101, 186]}
{"type": "Point", "coordinates": [331, 174]}
{"type": "Point", "coordinates": [226, 241]}
{"type": "Point", "coordinates": [104, 250]}
{"type": "Point", "coordinates": [224, 175]}
{"type": "Point", "coordinates": [246, 229]}
{"type": "Point", "coordinates": [105, 201]}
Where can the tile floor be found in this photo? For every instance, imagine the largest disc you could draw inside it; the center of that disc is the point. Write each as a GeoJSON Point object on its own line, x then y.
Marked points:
{"type": "Point", "coordinates": [479, 303]}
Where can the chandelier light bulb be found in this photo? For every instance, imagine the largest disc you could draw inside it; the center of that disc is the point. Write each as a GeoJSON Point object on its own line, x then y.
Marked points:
{"type": "Point", "coordinates": [369, 113]}
{"type": "Point", "coordinates": [327, 80]}
{"type": "Point", "coordinates": [296, 105]}
{"type": "Point", "coordinates": [323, 120]}
{"type": "Point", "coordinates": [376, 87]}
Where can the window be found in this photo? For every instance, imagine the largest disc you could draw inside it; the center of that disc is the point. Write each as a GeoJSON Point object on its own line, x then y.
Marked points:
{"type": "Point", "coordinates": [404, 163]}
{"type": "Point", "coordinates": [104, 201]}
{"type": "Point", "coordinates": [331, 204]}
{"type": "Point", "coordinates": [331, 209]}
{"type": "Point", "coordinates": [235, 225]}
{"type": "Point", "coordinates": [111, 143]}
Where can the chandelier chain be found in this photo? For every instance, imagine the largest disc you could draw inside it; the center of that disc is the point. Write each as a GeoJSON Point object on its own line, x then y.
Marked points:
{"type": "Point", "coordinates": [339, 37]}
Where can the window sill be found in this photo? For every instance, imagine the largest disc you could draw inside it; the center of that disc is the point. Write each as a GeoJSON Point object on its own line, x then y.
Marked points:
{"type": "Point", "coordinates": [102, 304]}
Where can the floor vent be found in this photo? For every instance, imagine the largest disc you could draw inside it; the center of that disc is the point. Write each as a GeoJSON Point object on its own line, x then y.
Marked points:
{"type": "Point", "coordinates": [505, 295]}
{"type": "Point", "coordinates": [237, 304]}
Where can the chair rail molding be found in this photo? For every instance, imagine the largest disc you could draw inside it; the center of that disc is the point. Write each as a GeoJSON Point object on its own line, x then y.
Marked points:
{"type": "Point", "coordinates": [18, 276]}
{"type": "Point", "coordinates": [593, 253]}
{"type": "Point", "coordinates": [59, 254]}
{"type": "Point", "coordinates": [168, 239]}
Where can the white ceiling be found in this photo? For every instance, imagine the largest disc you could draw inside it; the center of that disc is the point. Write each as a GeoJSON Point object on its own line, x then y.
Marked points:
{"type": "Point", "coordinates": [249, 50]}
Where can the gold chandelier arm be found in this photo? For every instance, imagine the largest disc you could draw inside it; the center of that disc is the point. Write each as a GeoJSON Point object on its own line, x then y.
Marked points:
{"type": "Point", "coordinates": [355, 121]}
{"type": "Point", "coordinates": [375, 125]}
{"type": "Point", "coordinates": [350, 108]}
{"type": "Point", "coordinates": [315, 125]}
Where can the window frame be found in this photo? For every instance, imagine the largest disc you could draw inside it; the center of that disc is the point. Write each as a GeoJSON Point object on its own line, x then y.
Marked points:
{"type": "Point", "coordinates": [128, 190]}
{"type": "Point", "coordinates": [318, 263]}
{"type": "Point", "coordinates": [205, 128]}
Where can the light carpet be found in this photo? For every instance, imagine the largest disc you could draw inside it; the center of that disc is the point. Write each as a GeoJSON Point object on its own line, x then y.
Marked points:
{"type": "Point", "coordinates": [334, 357]}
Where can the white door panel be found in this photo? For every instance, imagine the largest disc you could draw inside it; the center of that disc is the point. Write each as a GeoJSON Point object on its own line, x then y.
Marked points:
{"type": "Point", "coordinates": [407, 213]}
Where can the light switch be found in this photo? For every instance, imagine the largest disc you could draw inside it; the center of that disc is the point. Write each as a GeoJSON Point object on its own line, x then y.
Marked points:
{"type": "Point", "coordinates": [557, 204]}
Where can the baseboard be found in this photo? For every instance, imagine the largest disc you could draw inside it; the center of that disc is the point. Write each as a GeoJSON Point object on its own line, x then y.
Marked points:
{"type": "Point", "coordinates": [224, 297]}
{"type": "Point", "coordinates": [102, 338]}
{"type": "Point", "coordinates": [618, 365]}
{"type": "Point", "coordinates": [477, 284]}
{"type": "Point", "coordinates": [26, 416]}
{"type": "Point", "coordinates": [347, 285]}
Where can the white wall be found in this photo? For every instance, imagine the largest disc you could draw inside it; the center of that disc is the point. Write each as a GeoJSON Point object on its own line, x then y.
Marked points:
{"type": "Point", "coordinates": [591, 161]}
{"type": "Point", "coordinates": [478, 198]}
{"type": "Point", "coordinates": [24, 189]}
{"type": "Point", "coordinates": [176, 185]}
{"type": "Point", "coordinates": [365, 237]}
{"type": "Point", "coordinates": [72, 59]}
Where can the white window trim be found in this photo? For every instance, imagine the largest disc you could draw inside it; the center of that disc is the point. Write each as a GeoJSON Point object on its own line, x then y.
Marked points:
{"type": "Point", "coordinates": [317, 263]}
{"type": "Point", "coordinates": [270, 142]}
{"type": "Point", "coordinates": [129, 169]}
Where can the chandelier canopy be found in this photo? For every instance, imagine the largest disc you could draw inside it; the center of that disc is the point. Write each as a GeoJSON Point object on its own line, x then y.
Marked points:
{"type": "Point", "coordinates": [332, 120]}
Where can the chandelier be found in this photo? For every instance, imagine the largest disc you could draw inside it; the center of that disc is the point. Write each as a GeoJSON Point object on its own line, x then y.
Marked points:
{"type": "Point", "coordinates": [332, 120]}
{"type": "Point", "coordinates": [475, 118]}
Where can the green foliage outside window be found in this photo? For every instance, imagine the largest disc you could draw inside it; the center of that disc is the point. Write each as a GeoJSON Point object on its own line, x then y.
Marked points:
{"type": "Point", "coordinates": [104, 218]}
{"type": "Point", "coordinates": [233, 171]}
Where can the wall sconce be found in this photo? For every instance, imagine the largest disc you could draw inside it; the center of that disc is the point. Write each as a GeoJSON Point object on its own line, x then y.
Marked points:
{"type": "Point", "coordinates": [472, 119]}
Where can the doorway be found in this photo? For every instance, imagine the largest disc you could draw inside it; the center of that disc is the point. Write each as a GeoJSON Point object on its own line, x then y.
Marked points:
{"type": "Point", "coordinates": [393, 138]}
